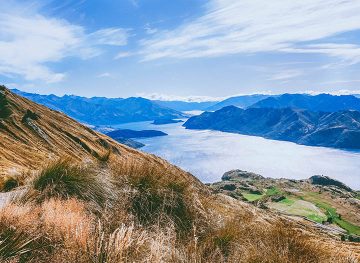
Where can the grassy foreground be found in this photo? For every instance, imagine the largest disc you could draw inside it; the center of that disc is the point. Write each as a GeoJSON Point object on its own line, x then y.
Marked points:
{"type": "Point", "coordinates": [140, 211]}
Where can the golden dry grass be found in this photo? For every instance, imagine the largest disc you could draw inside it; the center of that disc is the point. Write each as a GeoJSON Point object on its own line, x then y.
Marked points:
{"type": "Point", "coordinates": [212, 228]}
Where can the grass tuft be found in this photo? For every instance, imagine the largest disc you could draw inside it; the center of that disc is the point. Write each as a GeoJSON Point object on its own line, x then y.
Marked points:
{"type": "Point", "coordinates": [157, 196]}
{"type": "Point", "coordinates": [104, 157]}
{"type": "Point", "coordinates": [63, 180]}
{"type": "Point", "coordinates": [16, 244]}
{"type": "Point", "coordinates": [8, 183]}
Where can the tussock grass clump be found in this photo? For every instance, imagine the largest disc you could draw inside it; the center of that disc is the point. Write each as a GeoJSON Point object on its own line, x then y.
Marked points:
{"type": "Point", "coordinates": [157, 196]}
{"type": "Point", "coordinates": [123, 243]}
{"type": "Point", "coordinates": [8, 183]}
{"type": "Point", "coordinates": [20, 239]}
{"type": "Point", "coordinates": [245, 240]}
{"type": "Point", "coordinates": [16, 244]}
{"type": "Point", "coordinates": [63, 180]}
{"type": "Point", "coordinates": [103, 158]}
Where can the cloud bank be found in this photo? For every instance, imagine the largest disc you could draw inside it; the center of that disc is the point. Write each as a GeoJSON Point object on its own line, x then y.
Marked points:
{"type": "Point", "coordinates": [250, 26]}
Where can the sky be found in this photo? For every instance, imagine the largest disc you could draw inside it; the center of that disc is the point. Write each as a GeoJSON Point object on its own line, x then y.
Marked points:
{"type": "Point", "coordinates": [180, 49]}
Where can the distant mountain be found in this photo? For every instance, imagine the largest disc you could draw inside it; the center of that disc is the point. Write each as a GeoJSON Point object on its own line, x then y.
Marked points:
{"type": "Point", "coordinates": [238, 101]}
{"type": "Point", "coordinates": [185, 106]}
{"type": "Point", "coordinates": [104, 111]}
{"type": "Point", "coordinates": [322, 102]}
{"type": "Point", "coordinates": [338, 129]}
{"type": "Point", "coordinates": [130, 134]}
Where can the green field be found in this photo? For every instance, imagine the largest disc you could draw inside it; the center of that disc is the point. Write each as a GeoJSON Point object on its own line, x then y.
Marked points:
{"type": "Point", "coordinates": [331, 213]}
{"type": "Point", "coordinates": [252, 197]}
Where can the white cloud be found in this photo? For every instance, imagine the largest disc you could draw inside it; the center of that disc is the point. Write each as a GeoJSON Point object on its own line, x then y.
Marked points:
{"type": "Point", "coordinates": [250, 26]}
{"type": "Point", "coordinates": [334, 92]}
{"type": "Point", "coordinates": [123, 55]}
{"type": "Point", "coordinates": [286, 74]}
{"type": "Point", "coordinates": [349, 53]}
{"type": "Point", "coordinates": [104, 75]}
{"type": "Point", "coordinates": [167, 97]}
{"type": "Point", "coordinates": [135, 3]}
{"type": "Point", "coordinates": [150, 30]}
{"type": "Point", "coordinates": [110, 36]}
{"type": "Point", "coordinates": [29, 41]}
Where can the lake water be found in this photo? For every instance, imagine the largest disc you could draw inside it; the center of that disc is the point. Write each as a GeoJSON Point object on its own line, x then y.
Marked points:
{"type": "Point", "coordinates": [208, 154]}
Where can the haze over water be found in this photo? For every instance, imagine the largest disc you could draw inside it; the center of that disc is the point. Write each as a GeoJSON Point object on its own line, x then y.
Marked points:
{"type": "Point", "coordinates": [208, 154]}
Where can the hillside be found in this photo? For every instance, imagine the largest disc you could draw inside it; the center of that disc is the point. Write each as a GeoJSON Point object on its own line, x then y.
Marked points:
{"type": "Point", "coordinates": [32, 134]}
{"type": "Point", "coordinates": [109, 203]}
{"type": "Point", "coordinates": [104, 111]}
{"type": "Point", "coordinates": [238, 101]}
{"type": "Point", "coordinates": [322, 102]}
{"type": "Point", "coordinates": [319, 198]}
{"type": "Point", "coordinates": [338, 129]}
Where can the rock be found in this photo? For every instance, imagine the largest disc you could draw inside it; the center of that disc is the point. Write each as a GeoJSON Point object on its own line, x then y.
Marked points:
{"type": "Point", "coordinates": [327, 181]}
{"type": "Point", "coordinates": [277, 198]}
{"type": "Point", "coordinates": [355, 202]}
{"type": "Point", "coordinates": [255, 191]}
{"type": "Point", "coordinates": [229, 187]}
{"type": "Point", "coordinates": [234, 175]}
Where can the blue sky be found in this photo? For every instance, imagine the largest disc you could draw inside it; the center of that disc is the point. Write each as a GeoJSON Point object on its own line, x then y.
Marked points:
{"type": "Point", "coordinates": [180, 49]}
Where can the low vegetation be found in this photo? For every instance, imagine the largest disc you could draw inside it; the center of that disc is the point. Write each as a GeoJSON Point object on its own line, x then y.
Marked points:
{"type": "Point", "coordinates": [8, 183]}
{"type": "Point", "coordinates": [64, 180]}
{"type": "Point", "coordinates": [145, 212]}
{"type": "Point", "coordinates": [5, 110]}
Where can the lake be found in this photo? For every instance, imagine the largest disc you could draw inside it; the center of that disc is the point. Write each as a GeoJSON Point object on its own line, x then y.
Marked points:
{"type": "Point", "coordinates": [208, 154]}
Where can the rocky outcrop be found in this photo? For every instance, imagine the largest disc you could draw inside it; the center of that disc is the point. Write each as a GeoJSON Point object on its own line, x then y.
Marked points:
{"type": "Point", "coordinates": [327, 181]}
{"type": "Point", "coordinates": [236, 175]}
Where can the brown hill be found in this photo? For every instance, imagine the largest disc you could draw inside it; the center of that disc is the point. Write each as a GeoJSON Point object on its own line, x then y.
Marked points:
{"type": "Point", "coordinates": [130, 207]}
{"type": "Point", "coordinates": [32, 135]}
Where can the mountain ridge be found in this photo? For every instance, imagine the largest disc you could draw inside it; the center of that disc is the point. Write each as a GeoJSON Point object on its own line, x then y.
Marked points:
{"type": "Point", "coordinates": [104, 111]}
{"type": "Point", "coordinates": [321, 102]}
{"type": "Point", "coordinates": [336, 129]}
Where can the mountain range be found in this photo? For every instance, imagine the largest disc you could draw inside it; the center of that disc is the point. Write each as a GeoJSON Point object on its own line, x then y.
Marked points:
{"type": "Point", "coordinates": [321, 102]}
{"type": "Point", "coordinates": [335, 129]}
{"type": "Point", "coordinates": [104, 111]}
{"type": "Point", "coordinates": [186, 105]}
{"type": "Point", "coordinates": [238, 101]}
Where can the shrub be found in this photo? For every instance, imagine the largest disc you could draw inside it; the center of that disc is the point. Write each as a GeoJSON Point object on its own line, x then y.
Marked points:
{"type": "Point", "coordinates": [8, 183]}
{"type": "Point", "coordinates": [64, 180]}
{"type": "Point", "coordinates": [29, 115]}
{"type": "Point", "coordinates": [5, 110]}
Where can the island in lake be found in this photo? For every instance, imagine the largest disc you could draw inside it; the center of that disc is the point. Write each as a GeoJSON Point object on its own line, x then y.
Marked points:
{"type": "Point", "coordinates": [165, 121]}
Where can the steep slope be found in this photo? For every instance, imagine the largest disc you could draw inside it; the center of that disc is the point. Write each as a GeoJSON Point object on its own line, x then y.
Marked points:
{"type": "Point", "coordinates": [338, 129]}
{"type": "Point", "coordinates": [322, 102]}
{"type": "Point", "coordinates": [104, 111]}
{"type": "Point", "coordinates": [238, 101]}
{"type": "Point", "coordinates": [32, 134]}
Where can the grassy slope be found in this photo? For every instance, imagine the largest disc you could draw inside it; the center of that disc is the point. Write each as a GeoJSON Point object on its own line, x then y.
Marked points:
{"type": "Point", "coordinates": [130, 206]}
